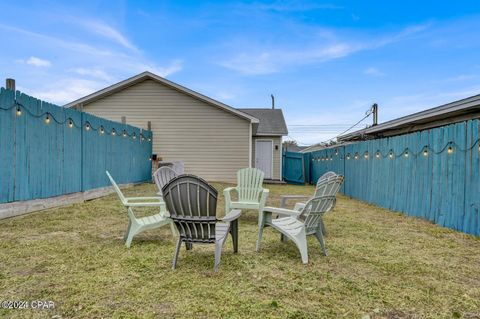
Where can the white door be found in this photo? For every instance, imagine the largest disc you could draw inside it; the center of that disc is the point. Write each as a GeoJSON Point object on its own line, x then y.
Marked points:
{"type": "Point", "coordinates": [263, 157]}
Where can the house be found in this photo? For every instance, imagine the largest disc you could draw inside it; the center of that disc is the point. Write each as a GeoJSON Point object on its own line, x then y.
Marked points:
{"type": "Point", "coordinates": [213, 139]}
{"type": "Point", "coordinates": [267, 141]}
{"type": "Point", "coordinates": [453, 112]}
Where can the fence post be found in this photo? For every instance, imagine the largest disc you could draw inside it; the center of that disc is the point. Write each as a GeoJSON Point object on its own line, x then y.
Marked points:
{"type": "Point", "coordinates": [10, 84]}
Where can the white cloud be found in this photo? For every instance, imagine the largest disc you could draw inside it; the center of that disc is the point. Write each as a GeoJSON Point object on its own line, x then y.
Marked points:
{"type": "Point", "coordinates": [35, 62]}
{"type": "Point", "coordinates": [94, 73]}
{"type": "Point", "coordinates": [66, 90]}
{"type": "Point", "coordinates": [373, 72]}
{"type": "Point", "coordinates": [326, 46]}
{"type": "Point", "coordinates": [105, 30]}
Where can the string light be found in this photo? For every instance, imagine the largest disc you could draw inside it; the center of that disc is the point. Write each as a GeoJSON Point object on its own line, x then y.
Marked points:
{"type": "Point", "coordinates": [390, 154]}
{"type": "Point", "coordinates": [406, 153]}
{"type": "Point", "coordinates": [149, 139]}
{"type": "Point", "coordinates": [70, 123]}
{"type": "Point", "coordinates": [134, 136]}
{"type": "Point", "coordinates": [348, 156]}
{"type": "Point", "coordinates": [336, 152]}
{"type": "Point", "coordinates": [356, 156]}
{"type": "Point", "coordinates": [377, 155]}
{"type": "Point", "coordinates": [366, 155]}
{"type": "Point", "coordinates": [47, 119]}
{"type": "Point", "coordinates": [124, 133]}
{"type": "Point", "coordinates": [425, 152]}
{"type": "Point", "coordinates": [19, 111]}
{"type": "Point", "coordinates": [114, 132]}
{"type": "Point", "coordinates": [450, 150]}
{"type": "Point", "coordinates": [87, 126]}
{"type": "Point", "coordinates": [102, 130]}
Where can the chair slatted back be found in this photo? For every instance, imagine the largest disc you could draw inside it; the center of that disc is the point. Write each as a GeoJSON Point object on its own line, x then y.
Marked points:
{"type": "Point", "coordinates": [178, 167]}
{"type": "Point", "coordinates": [249, 184]}
{"type": "Point", "coordinates": [162, 176]}
{"type": "Point", "coordinates": [314, 208]}
{"type": "Point", "coordinates": [116, 188]}
{"type": "Point", "coordinates": [325, 176]}
{"type": "Point", "coordinates": [329, 185]}
{"type": "Point", "coordinates": [192, 204]}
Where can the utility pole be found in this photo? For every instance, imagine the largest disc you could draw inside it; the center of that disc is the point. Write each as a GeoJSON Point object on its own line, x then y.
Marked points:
{"type": "Point", "coordinates": [375, 114]}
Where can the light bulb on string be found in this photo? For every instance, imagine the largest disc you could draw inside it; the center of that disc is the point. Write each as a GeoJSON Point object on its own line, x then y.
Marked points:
{"type": "Point", "coordinates": [47, 119]}
{"type": "Point", "coordinates": [366, 155]}
{"type": "Point", "coordinates": [102, 130]}
{"type": "Point", "coordinates": [124, 133]}
{"type": "Point", "coordinates": [450, 150]}
{"type": "Point", "coordinates": [134, 136]}
{"type": "Point", "coordinates": [113, 132]}
{"type": "Point", "coordinates": [87, 126]}
{"type": "Point", "coordinates": [377, 155]}
{"type": "Point", "coordinates": [406, 153]}
{"type": "Point", "coordinates": [425, 152]}
{"type": "Point", "coordinates": [356, 156]}
{"type": "Point", "coordinates": [70, 123]}
{"type": "Point", "coordinates": [19, 111]}
{"type": "Point", "coordinates": [390, 154]}
{"type": "Point", "coordinates": [348, 156]}
{"type": "Point", "coordinates": [149, 139]}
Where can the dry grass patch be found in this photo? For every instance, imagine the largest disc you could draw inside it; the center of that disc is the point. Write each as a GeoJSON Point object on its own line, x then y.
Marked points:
{"type": "Point", "coordinates": [381, 265]}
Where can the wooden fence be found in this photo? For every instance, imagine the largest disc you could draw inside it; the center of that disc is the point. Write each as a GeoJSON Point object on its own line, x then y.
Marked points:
{"type": "Point", "coordinates": [47, 150]}
{"type": "Point", "coordinates": [432, 174]}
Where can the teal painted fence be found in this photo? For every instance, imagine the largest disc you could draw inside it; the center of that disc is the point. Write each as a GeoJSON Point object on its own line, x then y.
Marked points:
{"type": "Point", "coordinates": [432, 174]}
{"type": "Point", "coordinates": [47, 150]}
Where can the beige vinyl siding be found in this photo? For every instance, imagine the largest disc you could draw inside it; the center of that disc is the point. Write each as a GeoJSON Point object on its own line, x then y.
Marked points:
{"type": "Point", "coordinates": [277, 153]}
{"type": "Point", "coordinates": [212, 142]}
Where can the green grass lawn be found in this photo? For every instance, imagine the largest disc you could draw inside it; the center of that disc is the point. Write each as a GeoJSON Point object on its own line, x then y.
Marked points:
{"type": "Point", "coordinates": [380, 265]}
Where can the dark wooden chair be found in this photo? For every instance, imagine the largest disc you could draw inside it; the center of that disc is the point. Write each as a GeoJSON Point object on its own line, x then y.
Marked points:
{"type": "Point", "coordinates": [192, 204]}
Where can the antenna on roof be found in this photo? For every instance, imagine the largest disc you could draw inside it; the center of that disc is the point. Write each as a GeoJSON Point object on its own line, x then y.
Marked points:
{"type": "Point", "coordinates": [375, 113]}
{"type": "Point", "coordinates": [273, 101]}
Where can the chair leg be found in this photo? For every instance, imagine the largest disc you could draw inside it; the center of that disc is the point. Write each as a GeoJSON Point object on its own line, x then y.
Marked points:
{"type": "Point", "coordinates": [188, 246]}
{"type": "Point", "coordinates": [322, 225]}
{"type": "Point", "coordinates": [177, 250]}
{"type": "Point", "coordinates": [218, 255]}
{"type": "Point", "coordinates": [132, 231]}
{"type": "Point", "coordinates": [128, 230]}
{"type": "Point", "coordinates": [259, 240]}
{"type": "Point", "coordinates": [302, 247]}
{"type": "Point", "coordinates": [234, 233]}
{"type": "Point", "coordinates": [283, 238]}
{"type": "Point", "coordinates": [319, 236]}
{"type": "Point", "coordinates": [172, 228]}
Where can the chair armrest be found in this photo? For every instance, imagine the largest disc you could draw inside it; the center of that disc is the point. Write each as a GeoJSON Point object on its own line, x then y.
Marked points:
{"type": "Point", "coordinates": [145, 204]}
{"type": "Point", "coordinates": [283, 199]}
{"type": "Point", "coordinates": [229, 189]}
{"type": "Point", "coordinates": [232, 215]}
{"type": "Point", "coordinates": [282, 211]}
{"type": "Point", "coordinates": [263, 199]}
{"type": "Point", "coordinates": [159, 198]}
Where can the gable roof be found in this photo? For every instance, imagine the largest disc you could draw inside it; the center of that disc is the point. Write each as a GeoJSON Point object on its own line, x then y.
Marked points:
{"type": "Point", "coordinates": [272, 121]}
{"type": "Point", "coordinates": [151, 76]}
{"type": "Point", "coordinates": [444, 114]}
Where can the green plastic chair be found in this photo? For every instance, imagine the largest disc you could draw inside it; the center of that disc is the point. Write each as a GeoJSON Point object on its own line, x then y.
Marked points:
{"type": "Point", "coordinates": [138, 225]}
{"type": "Point", "coordinates": [251, 194]}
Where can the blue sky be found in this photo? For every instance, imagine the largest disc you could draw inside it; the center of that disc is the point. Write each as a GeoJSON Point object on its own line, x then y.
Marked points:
{"type": "Point", "coordinates": [325, 62]}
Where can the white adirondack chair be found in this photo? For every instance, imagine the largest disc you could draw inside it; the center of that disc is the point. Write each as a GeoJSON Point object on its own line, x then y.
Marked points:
{"type": "Point", "coordinates": [162, 176]}
{"type": "Point", "coordinates": [251, 194]}
{"type": "Point", "coordinates": [298, 223]}
{"type": "Point", "coordinates": [138, 225]}
{"type": "Point", "coordinates": [327, 185]}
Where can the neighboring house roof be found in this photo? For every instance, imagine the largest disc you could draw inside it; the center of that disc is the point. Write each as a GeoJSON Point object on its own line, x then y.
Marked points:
{"type": "Point", "coordinates": [293, 148]}
{"type": "Point", "coordinates": [272, 121]}
{"type": "Point", "coordinates": [320, 146]}
{"type": "Point", "coordinates": [151, 76]}
{"type": "Point", "coordinates": [456, 111]}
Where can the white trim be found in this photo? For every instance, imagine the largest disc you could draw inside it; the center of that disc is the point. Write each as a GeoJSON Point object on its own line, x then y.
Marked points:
{"type": "Point", "coordinates": [149, 75]}
{"type": "Point", "coordinates": [273, 150]}
{"type": "Point", "coordinates": [281, 160]}
{"type": "Point", "coordinates": [250, 160]}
